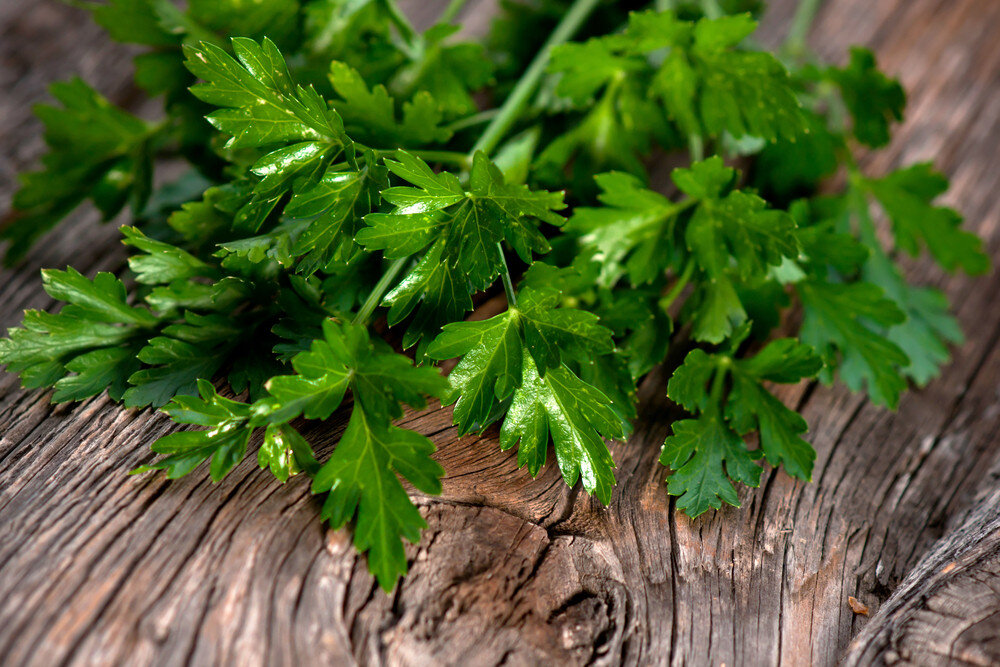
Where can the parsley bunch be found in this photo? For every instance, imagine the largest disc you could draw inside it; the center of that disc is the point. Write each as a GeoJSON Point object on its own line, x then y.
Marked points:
{"type": "Point", "coordinates": [357, 188]}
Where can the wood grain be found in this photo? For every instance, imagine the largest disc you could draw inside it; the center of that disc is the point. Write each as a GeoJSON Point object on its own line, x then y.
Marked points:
{"type": "Point", "coordinates": [97, 567]}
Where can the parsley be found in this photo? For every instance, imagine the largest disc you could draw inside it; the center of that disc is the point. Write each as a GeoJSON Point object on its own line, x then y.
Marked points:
{"type": "Point", "coordinates": [96, 151]}
{"type": "Point", "coordinates": [699, 447]}
{"type": "Point", "coordinates": [352, 175]}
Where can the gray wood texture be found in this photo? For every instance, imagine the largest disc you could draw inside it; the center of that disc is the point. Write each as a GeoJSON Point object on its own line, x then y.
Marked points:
{"type": "Point", "coordinates": [97, 567]}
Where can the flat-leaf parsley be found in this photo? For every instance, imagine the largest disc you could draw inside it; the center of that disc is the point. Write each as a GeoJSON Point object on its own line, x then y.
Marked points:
{"type": "Point", "coordinates": [357, 187]}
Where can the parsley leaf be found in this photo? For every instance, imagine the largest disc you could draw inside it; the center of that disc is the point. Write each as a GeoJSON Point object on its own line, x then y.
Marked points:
{"type": "Point", "coordinates": [186, 352]}
{"type": "Point", "coordinates": [697, 452]}
{"type": "Point", "coordinates": [712, 87]}
{"type": "Point", "coordinates": [842, 322]}
{"type": "Point", "coordinates": [334, 206]}
{"type": "Point", "coordinates": [553, 334]}
{"type": "Point", "coordinates": [470, 222]}
{"type": "Point", "coordinates": [462, 227]}
{"type": "Point", "coordinates": [707, 85]}
{"type": "Point", "coordinates": [163, 263]}
{"type": "Point", "coordinates": [490, 368]}
{"type": "Point", "coordinates": [361, 480]}
{"type": "Point", "coordinates": [906, 196]}
{"type": "Point", "coordinates": [262, 107]}
{"type": "Point", "coordinates": [89, 346]}
{"type": "Point", "coordinates": [520, 356]}
{"type": "Point", "coordinates": [225, 442]}
{"type": "Point", "coordinates": [96, 151]}
{"type": "Point", "coordinates": [623, 234]}
{"type": "Point", "coordinates": [370, 114]}
{"type": "Point", "coordinates": [576, 415]}
{"type": "Point", "coordinates": [733, 238]}
{"type": "Point", "coordinates": [929, 327]}
{"type": "Point", "coordinates": [347, 357]}
{"type": "Point", "coordinates": [750, 406]}
{"type": "Point", "coordinates": [874, 100]}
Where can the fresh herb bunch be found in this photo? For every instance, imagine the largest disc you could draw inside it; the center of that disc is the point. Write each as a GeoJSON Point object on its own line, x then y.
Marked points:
{"type": "Point", "coordinates": [357, 176]}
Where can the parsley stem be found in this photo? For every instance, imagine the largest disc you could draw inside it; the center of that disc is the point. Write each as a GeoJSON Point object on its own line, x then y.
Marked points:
{"type": "Point", "coordinates": [711, 9]}
{"type": "Point", "coordinates": [718, 383]}
{"type": "Point", "coordinates": [405, 28]}
{"type": "Point", "coordinates": [678, 287]}
{"type": "Point", "coordinates": [519, 98]}
{"type": "Point", "coordinates": [508, 284]}
{"type": "Point", "coordinates": [474, 119]}
{"type": "Point", "coordinates": [514, 105]}
{"type": "Point", "coordinates": [696, 146]}
{"type": "Point", "coordinates": [451, 11]}
{"type": "Point", "coordinates": [381, 287]}
{"type": "Point", "coordinates": [795, 42]}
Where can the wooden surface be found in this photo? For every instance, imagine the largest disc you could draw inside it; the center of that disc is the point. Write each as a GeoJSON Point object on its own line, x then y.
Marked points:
{"type": "Point", "coordinates": [97, 567]}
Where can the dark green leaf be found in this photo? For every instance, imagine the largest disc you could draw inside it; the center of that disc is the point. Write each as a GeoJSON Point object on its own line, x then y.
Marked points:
{"type": "Point", "coordinates": [907, 196]}
{"type": "Point", "coordinates": [490, 369]}
{"type": "Point", "coordinates": [576, 415]}
{"type": "Point", "coordinates": [874, 100]}
{"type": "Point", "coordinates": [842, 322]}
{"type": "Point", "coordinates": [370, 113]}
{"type": "Point", "coordinates": [696, 452]}
{"type": "Point", "coordinates": [96, 150]}
{"type": "Point", "coordinates": [361, 478]}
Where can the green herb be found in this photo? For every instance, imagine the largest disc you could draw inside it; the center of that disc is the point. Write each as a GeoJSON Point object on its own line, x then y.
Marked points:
{"type": "Point", "coordinates": [350, 174]}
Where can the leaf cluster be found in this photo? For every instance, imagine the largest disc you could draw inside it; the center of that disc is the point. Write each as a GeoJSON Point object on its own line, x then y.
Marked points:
{"type": "Point", "coordinates": [367, 202]}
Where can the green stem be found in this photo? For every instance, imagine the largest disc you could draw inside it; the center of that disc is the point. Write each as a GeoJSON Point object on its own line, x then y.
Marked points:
{"type": "Point", "coordinates": [678, 287]}
{"type": "Point", "coordinates": [381, 287]}
{"type": "Point", "coordinates": [406, 30]}
{"type": "Point", "coordinates": [519, 98]}
{"type": "Point", "coordinates": [474, 119]}
{"type": "Point", "coordinates": [508, 284]}
{"type": "Point", "coordinates": [696, 146]}
{"type": "Point", "coordinates": [711, 9]}
{"type": "Point", "coordinates": [451, 11]}
{"type": "Point", "coordinates": [718, 384]}
{"type": "Point", "coordinates": [795, 42]}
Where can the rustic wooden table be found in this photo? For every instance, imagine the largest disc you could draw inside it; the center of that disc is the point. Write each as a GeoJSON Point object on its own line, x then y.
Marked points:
{"type": "Point", "coordinates": [97, 567]}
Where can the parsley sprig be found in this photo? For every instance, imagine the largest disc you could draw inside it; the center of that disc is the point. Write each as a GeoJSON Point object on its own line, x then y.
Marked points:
{"type": "Point", "coordinates": [360, 187]}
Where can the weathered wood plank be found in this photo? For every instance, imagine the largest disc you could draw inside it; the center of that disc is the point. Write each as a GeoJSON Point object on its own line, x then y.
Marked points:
{"type": "Point", "coordinates": [99, 567]}
{"type": "Point", "coordinates": [947, 608]}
